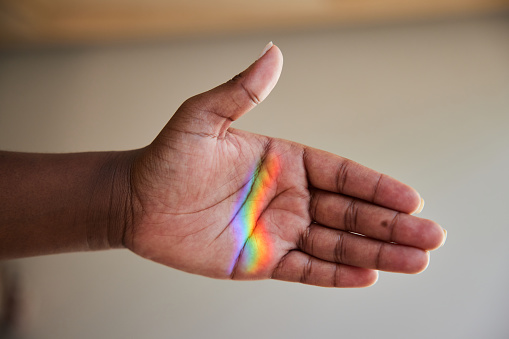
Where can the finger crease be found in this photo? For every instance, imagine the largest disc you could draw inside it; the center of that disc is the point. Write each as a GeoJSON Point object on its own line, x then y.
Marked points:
{"type": "Point", "coordinates": [306, 271]}
{"type": "Point", "coordinates": [314, 205]}
{"type": "Point", "coordinates": [339, 249]}
{"type": "Point", "coordinates": [250, 94]}
{"type": "Point", "coordinates": [304, 237]}
{"type": "Point", "coordinates": [377, 186]}
{"type": "Point", "coordinates": [350, 218]}
{"type": "Point", "coordinates": [392, 225]}
{"type": "Point", "coordinates": [304, 156]}
{"type": "Point", "coordinates": [335, 280]}
{"type": "Point", "coordinates": [379, 255]}
{"type": "Point", "coordinates": [279, 265]}
{"type": "Point", "coordinates": [342, 176]}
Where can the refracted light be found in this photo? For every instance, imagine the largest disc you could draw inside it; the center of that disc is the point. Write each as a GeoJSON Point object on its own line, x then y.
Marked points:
{"type": "Point", "coordinates": [250, 229]}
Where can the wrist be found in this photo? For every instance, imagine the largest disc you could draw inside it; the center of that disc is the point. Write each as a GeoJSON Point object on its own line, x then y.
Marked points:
{"type": "Point", "coordinates": [110, 214]}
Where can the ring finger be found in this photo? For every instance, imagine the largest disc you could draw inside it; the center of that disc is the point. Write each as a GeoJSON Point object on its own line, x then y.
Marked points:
{"type": "Point", "coordinates": [356, 250]}
{"type": "Point", "coordinates": [357, 216]}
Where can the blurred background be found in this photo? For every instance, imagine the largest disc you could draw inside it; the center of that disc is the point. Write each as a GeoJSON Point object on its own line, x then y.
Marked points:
{"type": "Point", "coordinates": [415, 89]}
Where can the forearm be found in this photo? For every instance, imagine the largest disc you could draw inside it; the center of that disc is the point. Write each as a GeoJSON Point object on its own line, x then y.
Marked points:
{"type": "Point", "coordinates": [53, 203]}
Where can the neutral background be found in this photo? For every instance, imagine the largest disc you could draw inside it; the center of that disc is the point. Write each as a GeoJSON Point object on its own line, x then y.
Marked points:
{"type": "Point", "coordinates": [427, 103]}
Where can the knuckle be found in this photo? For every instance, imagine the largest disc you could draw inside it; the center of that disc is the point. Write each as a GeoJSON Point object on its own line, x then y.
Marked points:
{"type": "Point", "coordinates": [339, 254]}
{"type": "Point", "coordinates": [336, 277]}
{"type": "Point", "coordinates": [305, 238]}
{"type": "Point", "coordinates": [392, 226]}
{"type": "Point", "coordinates": [350, 217]}
{"type": "Point", "coordinates": [307, 271]}
{"type": "Point", "coordinates": [251, 95]}
{"type": "Point", "coordinates": [313, 204]}
{"type": "Point", "coordinates": [276, 272]}
{"type": "Point", "coordinates": [238, 80]}
{"type": "Point", "coordinates": [379, 256]}
{"type": "Point", "coordinates": [376, 189]}
{"type": "Point", "coordinates": [342, 175]}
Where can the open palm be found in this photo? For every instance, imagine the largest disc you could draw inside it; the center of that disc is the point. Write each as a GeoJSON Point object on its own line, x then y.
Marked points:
{"type": "Point", "coordinates": [224, 203]}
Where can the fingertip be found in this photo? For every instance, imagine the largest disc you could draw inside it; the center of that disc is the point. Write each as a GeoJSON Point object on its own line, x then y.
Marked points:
{"type": "Point", "coordinates": [422, 264]}
{"type": "Point", "coordinates": [421, 233]}
{"type": "Point", "coordinates": [269, 49]}
{"type": "Point", "coordinates": [279, 54]}
{"type": "Point", "coordinates": [396, 195]}
{"type": "Point", "coordinates": [437, 236]}
{"type": "Point", "coordinates": [363, 277]}
{"type": "Point", "coordinates": [372, 278]}
{"type": "Point", "coordinates": [414, 200]}
{"type": "Point", "coordinates": [404, 259]}
{"type": "Point", "coordinates": [231, 100]}
{"type": "Point", "coordinates": [420, 207]}
{"type": "Point", "coordinates": [263, 75]}
{"type": "Point", "coordinates": [265, 49]}
{"type": "Point", "coordinates": [445, 237]}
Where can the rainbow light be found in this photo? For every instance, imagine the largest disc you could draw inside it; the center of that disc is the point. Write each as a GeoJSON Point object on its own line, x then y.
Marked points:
{"type": "Point", "coordinates": [250, 231]}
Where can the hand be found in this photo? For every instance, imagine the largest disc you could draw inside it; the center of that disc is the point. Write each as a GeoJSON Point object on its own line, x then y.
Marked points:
{"type": "Point", "coordinates": [224, 203]}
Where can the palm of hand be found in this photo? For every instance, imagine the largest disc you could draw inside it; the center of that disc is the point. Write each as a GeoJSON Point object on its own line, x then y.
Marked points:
{"type": "Point", "coordinates": [225, 203]}
{"type": "Point", "coordinates": [238, 204]}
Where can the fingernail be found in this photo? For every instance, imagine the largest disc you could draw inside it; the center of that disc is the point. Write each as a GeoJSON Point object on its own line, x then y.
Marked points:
{"type": "Point", "coordinates": [445, 238]}
{"type": "Point", "coordinates": [265, 50]}
{"type": "Point", "coordinates": [420, 208]}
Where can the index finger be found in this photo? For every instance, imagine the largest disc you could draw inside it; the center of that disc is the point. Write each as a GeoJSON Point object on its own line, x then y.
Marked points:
{"type": "Point", "coordinates": [333, 173]}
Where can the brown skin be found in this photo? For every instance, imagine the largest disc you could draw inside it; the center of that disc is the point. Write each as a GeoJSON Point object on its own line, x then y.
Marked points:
{"type": "Point", "coordinates": [176, 201]}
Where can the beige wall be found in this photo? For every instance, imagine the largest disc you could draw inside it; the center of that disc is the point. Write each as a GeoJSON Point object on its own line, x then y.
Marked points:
{"type": "Point", "coordinates": [426, 103]}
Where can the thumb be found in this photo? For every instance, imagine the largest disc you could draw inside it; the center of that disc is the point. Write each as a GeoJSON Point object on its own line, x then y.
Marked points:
{"type": "Point", "coordinates": [212, 112]}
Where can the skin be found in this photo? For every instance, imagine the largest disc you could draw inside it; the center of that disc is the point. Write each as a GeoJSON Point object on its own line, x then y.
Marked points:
{"type": "Point", "coordinates": [315, 217]}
